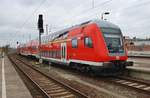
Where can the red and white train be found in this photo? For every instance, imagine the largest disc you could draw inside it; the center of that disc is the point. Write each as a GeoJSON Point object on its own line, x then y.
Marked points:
{"type": "Point", "coordinates": [95, 45]}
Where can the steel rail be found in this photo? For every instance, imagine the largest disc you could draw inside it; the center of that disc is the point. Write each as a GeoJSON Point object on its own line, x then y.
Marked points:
{"type": "Point", "coordinates": [136, 84]}
{"type": "Point", "coordinates": [73, 90]}
{"type": "Point", "coordinates": [44, 94]}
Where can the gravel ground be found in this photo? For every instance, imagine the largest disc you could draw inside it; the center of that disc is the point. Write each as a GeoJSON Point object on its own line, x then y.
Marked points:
{"type": "Point", "coordinates": [95, 87]}
{"type": "Point", "coordinates": [98, 83]}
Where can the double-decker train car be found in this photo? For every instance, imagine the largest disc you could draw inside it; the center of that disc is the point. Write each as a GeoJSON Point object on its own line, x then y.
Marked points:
{"type": "Point", "coordinates": [23, 49]}
{"type": "Point", "coordinates": [34, 48]}
{"type": "Point", "coordinates": [95, 46]}
{"type": "Point", "coordinates": [29, 49]}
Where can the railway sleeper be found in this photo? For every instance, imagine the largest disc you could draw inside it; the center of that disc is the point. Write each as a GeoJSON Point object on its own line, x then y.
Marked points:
{"type": "Point", "coordinates": [56, 88]}
{"type": "Point", "coordinates": [56, 91]}
{"type": "Point", "coordinates": [60, 94]}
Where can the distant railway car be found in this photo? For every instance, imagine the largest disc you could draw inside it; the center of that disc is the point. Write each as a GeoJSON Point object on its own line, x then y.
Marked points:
{"type": "Point", "coordinates": [22, 49]}
{"type": "Point", "coordinates": [95, 45]}
{"type": "Point", "coordinates": [29, 49]}
{"type": "Point", "coordinates": [34, 48]}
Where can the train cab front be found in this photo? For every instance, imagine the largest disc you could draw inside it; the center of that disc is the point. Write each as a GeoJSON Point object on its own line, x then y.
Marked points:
{"type": "Point", "coordinates": [116, 58]}
{"type": "Point", "coordinates": [115, 45]}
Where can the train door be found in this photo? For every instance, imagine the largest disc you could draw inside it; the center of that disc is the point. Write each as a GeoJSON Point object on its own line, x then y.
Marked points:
{"type": "Point", "coordinates": [63, 52]}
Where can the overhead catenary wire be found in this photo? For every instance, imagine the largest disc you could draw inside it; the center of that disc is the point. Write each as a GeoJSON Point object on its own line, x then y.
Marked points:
{"type": "Point", "coordinates": [28, 18]}
{"type": "Point", "coordinates": [85, 11]}
{"type": "Point", "coordinates": [100, 5]}
{"type": "Point", "coordinates": [34, 11]}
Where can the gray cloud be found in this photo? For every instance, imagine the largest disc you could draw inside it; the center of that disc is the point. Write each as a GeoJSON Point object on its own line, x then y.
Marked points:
{"type": "Point", "coordinates": [18, 22]}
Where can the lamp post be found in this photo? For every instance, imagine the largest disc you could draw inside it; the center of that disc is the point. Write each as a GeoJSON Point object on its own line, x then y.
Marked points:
{"type": "Point", "coordinates": [104, 13]}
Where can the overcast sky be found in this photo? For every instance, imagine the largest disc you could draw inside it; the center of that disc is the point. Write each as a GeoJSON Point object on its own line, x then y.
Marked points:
{"type": "Point", "coordinates": [18, 18]}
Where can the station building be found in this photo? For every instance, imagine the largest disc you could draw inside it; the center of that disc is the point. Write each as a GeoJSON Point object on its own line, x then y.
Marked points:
{"type": "Point", "coordinates": [137, 46]}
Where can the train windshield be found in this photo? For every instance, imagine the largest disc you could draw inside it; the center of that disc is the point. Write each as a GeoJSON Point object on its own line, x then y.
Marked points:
{"type": "Point", "coordinates": [113, 40]}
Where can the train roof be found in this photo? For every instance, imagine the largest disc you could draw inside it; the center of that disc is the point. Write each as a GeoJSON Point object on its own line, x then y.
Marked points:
{"type": "Point", "coordinates": [52, 36]}
{"type": "Point", "coordinates": [105, 24]}
{"type": "Point", "coordinates": [100, 23]}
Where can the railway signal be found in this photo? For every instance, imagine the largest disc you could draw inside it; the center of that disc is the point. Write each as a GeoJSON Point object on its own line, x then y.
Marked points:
{"type": "Point", "coordinates": [41, 30]}
{"type": "Point", "coordinates": [40, 23]}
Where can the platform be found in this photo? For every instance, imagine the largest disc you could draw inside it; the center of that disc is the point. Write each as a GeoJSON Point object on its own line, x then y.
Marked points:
{"type": "Point", "coordinates": [140, 62]}
{"type": "Point", "coordinates": [140, 69]}
{"type": "Point", "coordinates": [11, 85]}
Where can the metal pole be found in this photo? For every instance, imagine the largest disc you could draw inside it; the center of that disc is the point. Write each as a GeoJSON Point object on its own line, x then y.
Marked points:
{"type": "Point", "coordinates": [102, 16]}
{"type": "Point", "coordinates": [41, 30]}
{"type": "Point", "coordinates": [50, 28]}
{"type": "Point", "coordinates": [46, 29]}
{"type": "Point", "coordinates": [40, 47]}
{"type": "Point", "coordinates": [29, 37]}
{"type": "Point", "coordinates": [92, 3]}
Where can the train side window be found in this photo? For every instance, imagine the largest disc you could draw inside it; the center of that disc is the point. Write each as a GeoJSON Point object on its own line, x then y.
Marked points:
{"type": "Point", "coordinates": [74, 43]}
{"type": "Point", "coordinates": [88, 42]}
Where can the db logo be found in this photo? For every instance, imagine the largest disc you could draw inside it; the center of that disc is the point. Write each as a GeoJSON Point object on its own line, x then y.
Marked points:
{"type": "Point", "coordinates": [117, 57]}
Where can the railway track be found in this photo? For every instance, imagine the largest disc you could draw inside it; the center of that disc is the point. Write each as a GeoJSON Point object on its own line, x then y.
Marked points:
{"type": "Point", "coordinates": [136, 84]}
{"type": "Point", "coordinates": [48, 86]}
